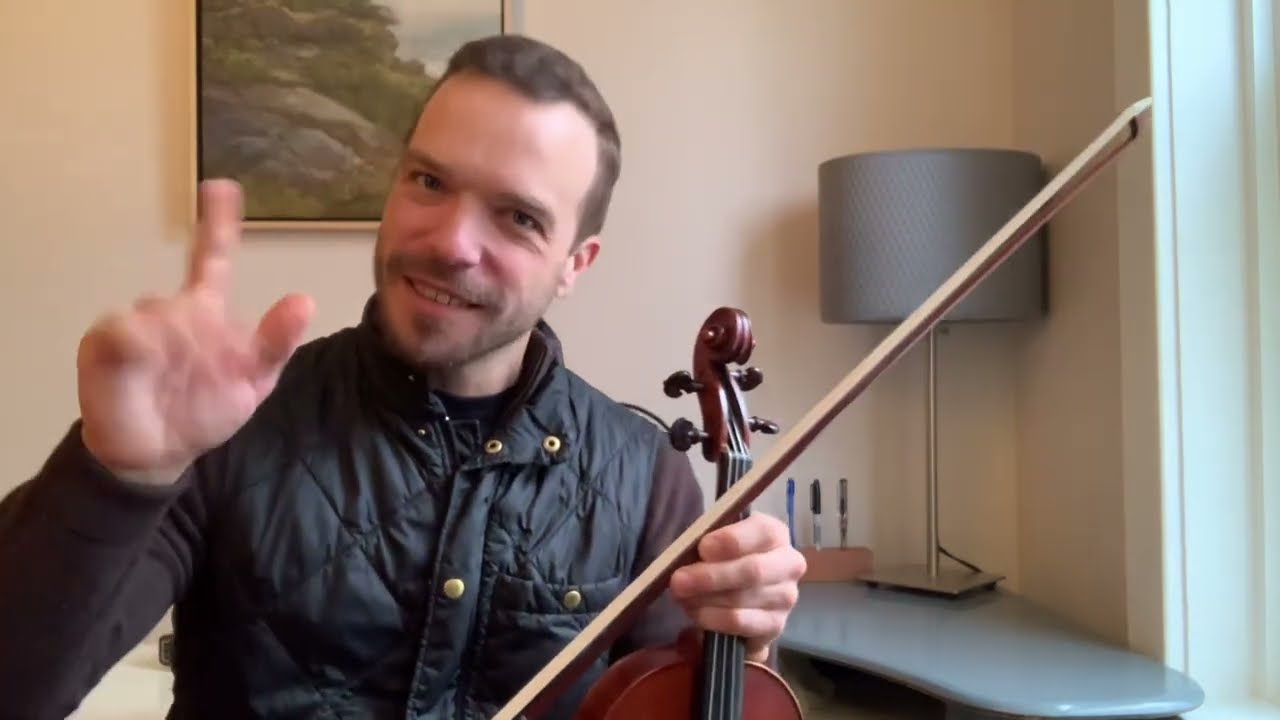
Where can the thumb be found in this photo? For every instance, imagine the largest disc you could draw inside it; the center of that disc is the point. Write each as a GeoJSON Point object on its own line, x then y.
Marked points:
{"type": "Point", "coordinates": [280, 332]}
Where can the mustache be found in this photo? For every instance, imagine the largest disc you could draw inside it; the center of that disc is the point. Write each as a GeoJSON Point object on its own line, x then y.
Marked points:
{"type": "Point", "coordinates": [439, 273]}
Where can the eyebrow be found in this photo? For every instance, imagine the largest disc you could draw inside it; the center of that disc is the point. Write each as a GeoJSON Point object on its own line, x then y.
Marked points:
{"type": "Point", "coordinates": [418, 157]}
{"type": "Point", "coordinates": [531, 206]}
{"type": "Point", "coordinates": [526, 203]}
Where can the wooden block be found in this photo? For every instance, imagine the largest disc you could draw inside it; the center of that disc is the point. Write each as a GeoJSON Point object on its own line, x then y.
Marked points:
{"type": "Point", "coordinates": [836, 564]}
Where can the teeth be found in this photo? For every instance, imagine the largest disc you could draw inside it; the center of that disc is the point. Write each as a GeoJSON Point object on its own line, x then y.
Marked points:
{"type": "Point", "coordinates": [438, 296]}
{"type": "Point", "coordinates": [445, 298]}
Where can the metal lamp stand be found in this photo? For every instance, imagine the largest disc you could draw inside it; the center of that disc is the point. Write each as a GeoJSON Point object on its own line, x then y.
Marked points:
{"type": "Point", "coordinates": [929, 578]}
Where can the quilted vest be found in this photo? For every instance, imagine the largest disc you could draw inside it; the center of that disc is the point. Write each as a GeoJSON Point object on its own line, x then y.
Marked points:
{"type": "Point", "coordinates": [369, 557]}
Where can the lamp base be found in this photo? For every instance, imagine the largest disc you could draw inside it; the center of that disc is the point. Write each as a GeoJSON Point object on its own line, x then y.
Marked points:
{"type": "Point", "coordinates": [948, 582]}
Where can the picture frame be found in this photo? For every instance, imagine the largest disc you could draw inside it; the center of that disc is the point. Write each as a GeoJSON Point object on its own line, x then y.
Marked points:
{"type": "Point", "coordinates": [307, 103]}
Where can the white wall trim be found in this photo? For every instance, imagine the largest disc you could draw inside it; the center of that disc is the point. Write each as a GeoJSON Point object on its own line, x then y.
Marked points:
{"type": "Point", "coordinates": [1154, 522]}
{"type": "Point", "coordinates": [1263, 115]}
{"type": "Point", "coordinates": [1146, 305]}
{"type": "Point", "coordinates": [1216, 191]}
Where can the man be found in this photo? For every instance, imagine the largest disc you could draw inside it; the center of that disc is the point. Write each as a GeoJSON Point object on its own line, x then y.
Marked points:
{"type": "Point", "coordinates": [407, 518]}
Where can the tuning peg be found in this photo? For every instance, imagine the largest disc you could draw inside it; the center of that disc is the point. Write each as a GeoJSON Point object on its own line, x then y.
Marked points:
{"type": "Point", "coordinates": [680, 382]}
{"type": "Point", "coordinates": [749, 378]}
{"type": "Point", "coordinates": [685, 435]}
{"type": "Point", "coordinates": [768, 427]}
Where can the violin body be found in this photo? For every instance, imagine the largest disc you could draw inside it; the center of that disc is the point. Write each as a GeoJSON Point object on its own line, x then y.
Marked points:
{"type": "Point", "coordinates": [664, 684]}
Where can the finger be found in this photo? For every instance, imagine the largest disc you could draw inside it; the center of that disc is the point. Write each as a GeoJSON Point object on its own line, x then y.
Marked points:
{"type": "Point", "coordinates": [741, 573]}
{"type": "Point", "coordinates": [759, 625]}
{"type": "Point", "coordinates": [778, 596]}
{"type": "Point", "coordinates": [225, 343]}
{"type": "Point", "coordinates": [754, 534]}
{"type": "Point", "coordinates": [119, 339]}
{"type": "Point", "coordinates": [280, 332]}
{"type": "Point", "coordinates": [139, 336]}
{"type": "Point", "coordinates": [148, 304]}
{"type": "Point", "coordinates": [217, 234]}
{"type": "Point", "coordinates": [176, 326]}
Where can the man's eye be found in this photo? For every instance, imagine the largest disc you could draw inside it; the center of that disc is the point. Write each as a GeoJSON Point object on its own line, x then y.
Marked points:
{"type": "Point", "coordinates": [426, 180]}
{"type": "Point", "coordinates": [524, 219]}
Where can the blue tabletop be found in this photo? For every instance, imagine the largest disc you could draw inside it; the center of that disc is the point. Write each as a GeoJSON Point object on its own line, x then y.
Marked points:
{"type": "Point", "coordinates": [993, 651]}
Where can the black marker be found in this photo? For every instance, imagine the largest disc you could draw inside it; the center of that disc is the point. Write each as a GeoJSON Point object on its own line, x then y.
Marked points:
{"type": "Point", "coordinates": [844, 513]}
{"type": "Point", "coordinates": [815, 504]}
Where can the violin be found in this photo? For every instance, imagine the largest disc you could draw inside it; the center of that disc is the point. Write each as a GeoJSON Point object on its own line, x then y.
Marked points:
{"type": "Point", "coordinates": [703, 675]}
{"type": "Point", "coordinates": [722, 667]}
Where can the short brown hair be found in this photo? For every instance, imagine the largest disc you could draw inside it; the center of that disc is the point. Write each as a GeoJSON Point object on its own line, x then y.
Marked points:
{"type": "Point", "coordinates": [540, 72]}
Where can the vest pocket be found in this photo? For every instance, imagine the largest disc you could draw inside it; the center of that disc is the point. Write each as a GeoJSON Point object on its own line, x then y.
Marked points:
{"type": "Point", "coordinates": [515, 595]}
{"type": "Point", "coordinates": [528, 622]}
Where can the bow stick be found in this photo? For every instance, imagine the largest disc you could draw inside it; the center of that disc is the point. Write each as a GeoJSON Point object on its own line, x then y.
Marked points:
{"type": "Point", "coordinates": [534, 697]}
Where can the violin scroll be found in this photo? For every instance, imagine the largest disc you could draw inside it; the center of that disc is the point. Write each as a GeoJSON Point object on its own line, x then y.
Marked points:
{"type": "Point", "coordinates": [724, 339]}
{"type": "Point", "coordinates": [681, 382]}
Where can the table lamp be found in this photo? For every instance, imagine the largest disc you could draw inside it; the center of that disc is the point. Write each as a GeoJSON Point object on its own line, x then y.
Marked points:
{"type": "Point", "coordinates": [893, 225]}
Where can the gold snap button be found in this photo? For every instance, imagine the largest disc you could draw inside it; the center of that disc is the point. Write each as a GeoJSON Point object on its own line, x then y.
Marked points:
{"type": "Point", "coordinates": [453, 588]}
{"type": "Point", "coordinates": [572, 599]}
{"type": "Point", "coordinates": [493, 446]}
{"type": "Point", "coordinates": [551, 443]}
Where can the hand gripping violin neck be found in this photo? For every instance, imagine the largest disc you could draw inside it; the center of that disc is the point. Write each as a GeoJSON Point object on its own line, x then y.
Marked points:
{"type": "Point", "coordinates": [703, 675]}
{"type": "Point", "coordinates": [750, 479]}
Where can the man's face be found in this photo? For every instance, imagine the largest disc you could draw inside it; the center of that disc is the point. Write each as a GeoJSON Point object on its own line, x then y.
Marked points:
{"type": "Point", "coordinates": [477, 235]}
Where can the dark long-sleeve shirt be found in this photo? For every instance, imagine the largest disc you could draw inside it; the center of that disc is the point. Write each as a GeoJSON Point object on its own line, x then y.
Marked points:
{"type": "Point", "coordinates": [89, 564]}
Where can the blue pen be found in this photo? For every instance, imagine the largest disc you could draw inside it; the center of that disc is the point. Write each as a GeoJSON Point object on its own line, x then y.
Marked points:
{"type": "Point", "coordinates": [791, 510]}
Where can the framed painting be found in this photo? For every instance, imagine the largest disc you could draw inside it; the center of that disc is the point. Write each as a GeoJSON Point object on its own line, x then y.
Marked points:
{"type": "Point", "coordinates": [307, 102]}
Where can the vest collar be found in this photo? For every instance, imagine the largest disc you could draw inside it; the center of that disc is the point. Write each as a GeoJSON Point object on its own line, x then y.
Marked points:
{"type": "Point", "coordinates": [537, 410]}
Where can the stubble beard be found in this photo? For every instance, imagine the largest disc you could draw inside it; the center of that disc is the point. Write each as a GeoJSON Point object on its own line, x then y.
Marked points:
{"type": "Point", "coordinates": [429, 344]}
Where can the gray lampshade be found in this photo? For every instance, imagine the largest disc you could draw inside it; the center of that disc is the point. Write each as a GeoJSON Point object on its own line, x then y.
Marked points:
{"type": "Point", "coordinates": [894, 225]}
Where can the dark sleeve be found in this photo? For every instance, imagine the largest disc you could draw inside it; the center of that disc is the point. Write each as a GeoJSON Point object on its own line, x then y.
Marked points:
{"type": "Point", "coordinates": [89, 563]}
{"type": "Point", "coordinates": [675, 503]}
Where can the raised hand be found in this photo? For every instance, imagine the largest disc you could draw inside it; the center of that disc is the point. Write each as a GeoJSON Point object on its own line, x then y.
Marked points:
{"type": "Point", "coordinates": [172, 377]}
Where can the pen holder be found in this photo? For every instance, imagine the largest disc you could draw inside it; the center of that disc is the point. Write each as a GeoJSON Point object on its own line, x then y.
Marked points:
{"type": "Point", "coordinates": [835, 564]}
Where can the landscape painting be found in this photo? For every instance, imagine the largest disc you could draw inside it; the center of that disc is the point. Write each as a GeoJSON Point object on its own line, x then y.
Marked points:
{"type": "Point", "coordinates": [307, 102]}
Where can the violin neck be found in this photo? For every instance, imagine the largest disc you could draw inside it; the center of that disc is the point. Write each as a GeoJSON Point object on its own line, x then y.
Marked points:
{"type": "Point", "coordinates": [724, 656]}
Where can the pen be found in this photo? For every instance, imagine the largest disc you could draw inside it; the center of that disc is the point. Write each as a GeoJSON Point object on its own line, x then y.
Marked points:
{"type": "Point", "coordinates": [815, 504]}
{"type": "Point", "coordinates": [791, 510]}
{"type": "Point", "coordinates": [844, 513]}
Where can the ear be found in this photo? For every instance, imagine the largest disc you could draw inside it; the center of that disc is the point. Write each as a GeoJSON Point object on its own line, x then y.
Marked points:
{"type": "Point", "coordinates": [577, 263]}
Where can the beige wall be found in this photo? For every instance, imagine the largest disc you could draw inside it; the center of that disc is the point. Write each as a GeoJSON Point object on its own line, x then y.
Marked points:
{"type": "Point", "coordinates": [1070, 499]}
{"type": "Point", "coordinates": [724, 117]}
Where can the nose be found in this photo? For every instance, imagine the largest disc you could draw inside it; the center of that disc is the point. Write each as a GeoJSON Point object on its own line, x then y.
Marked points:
{"type": "Point", "coordinates": [458, 235]}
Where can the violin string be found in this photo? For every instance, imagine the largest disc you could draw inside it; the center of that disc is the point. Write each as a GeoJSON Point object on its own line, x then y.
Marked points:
{"type": "Point", "coordinates": [724, 655]}
{"type": "Point", "coordinates": [718, 678]}
{"type": "Point", "coordinates": [739, 644]}
{"type": "Point", "coordinates": [722, 704]}
{"type": "Point", "coordinates": [733, 645]}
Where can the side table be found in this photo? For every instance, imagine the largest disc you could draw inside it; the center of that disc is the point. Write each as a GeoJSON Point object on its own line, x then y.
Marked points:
{"type": "Point", "coordinates": [986, 656]}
